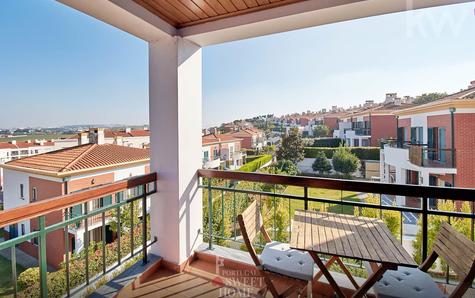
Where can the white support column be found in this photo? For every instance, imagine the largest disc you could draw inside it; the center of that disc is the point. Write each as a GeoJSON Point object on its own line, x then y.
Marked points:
{"type": "Point", "coordinates": [175, 125]}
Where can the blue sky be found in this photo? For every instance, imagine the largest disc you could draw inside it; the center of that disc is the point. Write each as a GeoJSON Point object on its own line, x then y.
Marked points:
{"type": "Point", "coordinates": [59, 66]}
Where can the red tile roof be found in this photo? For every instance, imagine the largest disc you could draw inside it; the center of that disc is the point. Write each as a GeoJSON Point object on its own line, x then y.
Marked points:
{"type": "Point", "coordinates": [218, 138]}
{"type": "Point", "coordinates": [18, 145]}
{"type": "Point", "coordinates": [80, 159]}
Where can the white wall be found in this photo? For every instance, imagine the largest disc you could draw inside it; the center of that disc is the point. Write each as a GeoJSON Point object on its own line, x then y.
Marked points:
{"type": "Point", "coordinates": [11, 194]}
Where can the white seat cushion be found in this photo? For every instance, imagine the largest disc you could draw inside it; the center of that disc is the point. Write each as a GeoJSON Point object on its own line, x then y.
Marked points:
{"type": "Point", "coordinates": [406, 282]}
{"type": "Point", "coordinates": [280, 258]}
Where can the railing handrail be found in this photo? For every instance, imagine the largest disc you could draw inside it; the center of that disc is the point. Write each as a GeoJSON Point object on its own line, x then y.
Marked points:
{"type": "Point", "coordinates": [44, 207]}
{"type": "Point", "coordinates": [451, 193]}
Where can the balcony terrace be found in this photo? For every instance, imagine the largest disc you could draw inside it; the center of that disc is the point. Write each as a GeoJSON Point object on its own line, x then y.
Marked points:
{"type": "Point", "coordinates": [179, 219]}
{"type": "Point", "coordinates": [214, 266]}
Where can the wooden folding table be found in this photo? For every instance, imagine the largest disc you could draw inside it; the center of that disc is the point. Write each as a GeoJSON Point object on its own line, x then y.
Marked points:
{"type": "Point", "coordinates": [347, 236]}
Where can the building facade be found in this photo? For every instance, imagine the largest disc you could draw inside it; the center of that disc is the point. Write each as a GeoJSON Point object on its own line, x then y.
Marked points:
{"type": "Point", "coordinates": [222, 151]}
{"type": "Point", "coordinates": [434, 144]}
{"type": "Point", "coordinates": [65, 171]}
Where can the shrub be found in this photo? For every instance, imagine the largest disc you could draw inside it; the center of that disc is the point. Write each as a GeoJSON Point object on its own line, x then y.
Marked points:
{"type": "Point", "coordinates": [328, 142]}
{"type": "Point", "coordinates": [364, 153]}
{"type": "Point", "coordinates": [344, 161]}
{"type": "Point", "coordinates": [250, 158]}
{"type": "Point", "coordinates": [255, 164]}
{"type": "Point", "coordinates": [321, 163]}
{"type": "Point", "coordinates": [28, 280]}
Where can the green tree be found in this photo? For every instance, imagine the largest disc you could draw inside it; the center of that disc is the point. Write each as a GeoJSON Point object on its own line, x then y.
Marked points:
{"type": "Point", "coordinates": [321, 163]}
{"type": "Point", "coordinates": [292, 147]}
{"type": "Point", "coordinates": [463, 225]}
{"type": "Point", "coordinates": [429, 97]}
{"type": "Point", "coordinates": [287, 167]}
{"type": "Point", "coordinates": [320, 131]}
{"type": "Point", "coordinates": [344, 161]}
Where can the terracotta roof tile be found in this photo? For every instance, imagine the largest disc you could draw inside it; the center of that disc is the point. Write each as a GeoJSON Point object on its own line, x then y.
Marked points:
{"type": "Point", "coordinates": [219, 138]}
{"type": "Point", "coordinates": [85, 157]}
{"type": "Point", "coordinates": [8, 145]}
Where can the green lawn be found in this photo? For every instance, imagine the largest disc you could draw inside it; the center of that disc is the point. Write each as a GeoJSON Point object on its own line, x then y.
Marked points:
{"type": "Point", "coordinates": [322, 193]}
{"type": "Point", "coordinates": [6, 288]}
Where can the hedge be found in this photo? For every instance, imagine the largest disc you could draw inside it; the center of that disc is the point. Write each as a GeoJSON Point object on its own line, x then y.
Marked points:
{"type": "Point", "coordinates": [364, 153]}
{"type": "Point", "coordinates": [256, 164]}
{"type": "Point", "coordinates": [250, 158]}
{"type": "Point", "coordinates": [28, 280]}
{"type": "Point", "coordinates": [328, 142]}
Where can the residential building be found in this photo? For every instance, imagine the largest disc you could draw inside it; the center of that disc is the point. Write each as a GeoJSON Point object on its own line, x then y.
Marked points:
{"type": "Point", "coordinates": [175, 37]}
{"type": "Point", "coordinates": [221, 151]}
{"type": "Point", "coordinates": [18, 149]}
{"type": "Point", "coordinates": [53, 174]}
{"type": "Point", "coordinates": [137, 138]}
{"type": "Point", "coordinates": [369, 125]}
{"type": "Point", "coordinates": [252, 138]}
{"type": "Point", "coordinates": [435, 143]}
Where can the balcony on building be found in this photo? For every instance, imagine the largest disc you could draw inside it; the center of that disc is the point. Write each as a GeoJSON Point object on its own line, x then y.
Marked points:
{"type": "Point", "coordinates": [178, 248]}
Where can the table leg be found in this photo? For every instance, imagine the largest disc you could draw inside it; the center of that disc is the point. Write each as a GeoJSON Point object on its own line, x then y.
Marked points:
{"type": "Point", "coordinates": [327, 274]}
{"type": "Point", "coordinates": [372, 279]}
{"type": "Point", "coordinates": [348, 273]}
{"type": "Point", "coordinates": [327, 265]}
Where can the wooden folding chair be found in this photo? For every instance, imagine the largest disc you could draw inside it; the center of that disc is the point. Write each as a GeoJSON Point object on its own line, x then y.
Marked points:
{"type": "Point", "coordinates": [277, 259]}
{"type": "Point", "coordinates": [454, 248]}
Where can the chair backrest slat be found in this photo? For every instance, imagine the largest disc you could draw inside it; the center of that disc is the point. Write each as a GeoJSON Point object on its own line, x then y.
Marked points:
{"type": "Point", "coordinates": [252, 220]}
{"type": "Point", "coordinates": [455, 249]}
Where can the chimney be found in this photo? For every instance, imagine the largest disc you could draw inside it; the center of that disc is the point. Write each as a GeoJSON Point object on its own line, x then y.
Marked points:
{"type": "Point", "coordinates": [100, 138]}
{"type": "Point", "coordinates": [119, 141]}
{"type": "Point", "coordinates": [83, 138]}
{"type": "Point", "coordinates": [128, 129]}
{"type": "Point", "coordinates": [472, 84]}
{"type": "Point", "coordinates": [13, 142]}
{"type": "Point", "coordinates": [42, 142]}
{"type": "Point", "coordinates": [215, 130]}
{"type": "Point", "coordinates": [28, 141]}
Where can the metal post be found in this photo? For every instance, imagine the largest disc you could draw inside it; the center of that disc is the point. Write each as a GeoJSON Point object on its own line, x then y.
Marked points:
{"type": "Point", "coordinates": [305, 197]}
{"type": "Point", "coordinates": [66, 252]}
{"type": "Point", "coordinates": [210, 216]}
{"type": "Point", "coordinates": [42, 255]}
{"type": "Point", "coordinates": [103, 239]}
{"type": "Point", "coordinates": [14, 278]}
{"type": "Point", "coordinates": [424, 228]}
{"type": "Point", "coordinates": [222, 213]}
{"type": "Point", "coordinates": [234, 213]}
{"type": "Point", "coordinates": [117, 199]}
{"type": "Point", "coordinates": [144, 228]}
{"type": "Point", "coordinates": [86, 241]}
{"type": "Point", "coordinates": [132, 244]}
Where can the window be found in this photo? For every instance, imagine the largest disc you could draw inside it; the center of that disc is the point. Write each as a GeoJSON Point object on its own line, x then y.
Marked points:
{"type": "Point", "coordinates": [34, 194]}
{"type": "Point", "coordinates": [35, 240]}
{"type": "Point", "coordinates": [22, 192]}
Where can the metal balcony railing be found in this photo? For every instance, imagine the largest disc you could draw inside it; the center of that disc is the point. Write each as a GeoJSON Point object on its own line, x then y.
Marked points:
{"type": "Point", "coordinates": [131, 237]}
{"type": "Point", "coordinates": [229, 192]}
{"type": "Point", "coordinates": [423, 156]}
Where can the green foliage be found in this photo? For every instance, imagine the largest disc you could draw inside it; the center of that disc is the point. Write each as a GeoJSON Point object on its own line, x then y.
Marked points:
{"type": "Point", "coordinates": [429, 97]}
{"type": "Point", "coordinates": [463, 225]}
{"type": "Point", "coordinates": [268, 149]}
{"type": "Point", "coordinates": [320, 131]}
{"type": "Point", "coordinates": [321, 163]}
{"type": "Point", "coordinates": [344, 161]}
{"type": "Point", "coordinates": [292, 147]}
{"type": "Point", "coordinates": [328, 142]}
{"type": "Point", "coordinates": [391, 218]}
{"type": "Point", "coordinates": [287, 167]}
{"type": "Point", "coordinates": [363, 153]}
{"type": "Point", "coordinates": [28, 280]}
{"type": "Point", "coordinates": [255, 164]}
{"type": "Point", "coordinates": [250, 158]}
